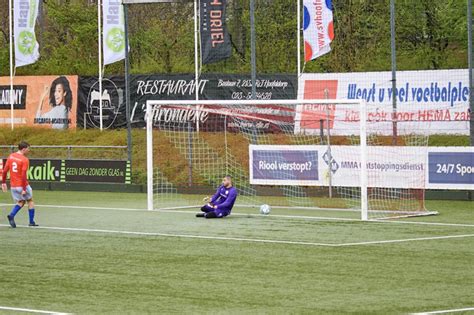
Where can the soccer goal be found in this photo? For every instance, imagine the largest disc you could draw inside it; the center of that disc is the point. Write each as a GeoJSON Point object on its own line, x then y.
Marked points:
{"type": "Point", "coordinates": [333, 156]}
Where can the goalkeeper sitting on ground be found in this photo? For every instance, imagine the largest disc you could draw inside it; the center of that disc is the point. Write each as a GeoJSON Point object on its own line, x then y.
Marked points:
{"type": "Point", "coordinates": [220, 205]}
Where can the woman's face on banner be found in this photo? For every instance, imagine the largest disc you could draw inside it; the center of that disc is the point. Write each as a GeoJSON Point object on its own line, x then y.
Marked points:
{"type": "Point", "coordinates": [59, 94]}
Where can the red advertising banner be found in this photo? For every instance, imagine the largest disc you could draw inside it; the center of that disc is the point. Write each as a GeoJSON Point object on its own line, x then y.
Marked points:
{"type": "Point", "coordinates": [314, 116]}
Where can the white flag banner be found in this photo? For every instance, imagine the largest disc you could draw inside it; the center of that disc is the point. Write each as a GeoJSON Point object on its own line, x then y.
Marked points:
{"type": "Point", "coordinates": [113, 31]}
{"type": "Point", "coordinates": [26, 47]}
{"type": "Point", "coordinates": [318, 28]}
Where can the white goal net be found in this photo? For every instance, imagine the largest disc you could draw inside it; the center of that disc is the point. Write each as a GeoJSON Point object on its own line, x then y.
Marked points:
{"type": "Point", "coordinates": [336, 157]}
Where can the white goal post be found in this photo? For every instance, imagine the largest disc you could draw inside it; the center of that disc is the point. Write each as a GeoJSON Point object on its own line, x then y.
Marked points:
{"type": "Point", "coordinates": [151, 104]}
{"type": "Point", "coordinates": [312, 154]}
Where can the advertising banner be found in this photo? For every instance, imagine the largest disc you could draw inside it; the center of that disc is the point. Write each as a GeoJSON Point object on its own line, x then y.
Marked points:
{"type": "Point", "coordinates": [113, 31]}
{"type": "Point", "coordinates": [97, 171]}
{"type": "Point", "coordinates": [19, 97]}
{"type": "Point", "coordinates": [44, 170]}
{"type": "Point", "coordinates": [84, 171]}
{"type": "Point", "coordinates": [215, 40]}
{"type": "Point", "coordinates": [40, 101]}
{"type": "Point", "coordinates": [428, 102]}
{"type": "Point", "coordinates": [25, 13]}
{"type": "Point", "coordinates": [177, 87]}
{"type": "Point", "coordinates": [113, 103]}
{"type": "Point", "coordinates": [318, 28]}
{"type": "Point", "coordinates": [283, 165]}
{"type": "Point", "coordinates": [387, 167]}
{"type": "Point", "coordinates": [451, 167]}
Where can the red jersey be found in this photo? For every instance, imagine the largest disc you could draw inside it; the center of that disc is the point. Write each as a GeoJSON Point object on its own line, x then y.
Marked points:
{"type": "Point", "coordinates": [18, 165]}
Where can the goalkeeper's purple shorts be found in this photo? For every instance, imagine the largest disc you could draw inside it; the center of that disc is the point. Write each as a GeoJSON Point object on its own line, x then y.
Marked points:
{"type": "Point", "coordinates": [220, 213]}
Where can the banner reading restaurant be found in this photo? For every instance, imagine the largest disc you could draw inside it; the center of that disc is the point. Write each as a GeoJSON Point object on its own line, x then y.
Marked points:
{"type": "Point", "coordinates": [175, 87]}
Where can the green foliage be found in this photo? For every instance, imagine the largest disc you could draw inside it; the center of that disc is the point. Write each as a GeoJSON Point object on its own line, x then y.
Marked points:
{"type": "Point", "coordinates": [431, 34]}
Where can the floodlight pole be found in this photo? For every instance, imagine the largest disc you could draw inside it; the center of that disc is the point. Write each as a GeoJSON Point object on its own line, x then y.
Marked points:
{"type": "Point", "coordinates": [394, 72]}
{"type": "Point", "coordinates": [253, 54]}
{"type": "Point", "coordinates": [471, 65]}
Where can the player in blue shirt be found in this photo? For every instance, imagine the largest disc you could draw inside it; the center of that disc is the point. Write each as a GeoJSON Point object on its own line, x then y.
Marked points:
{"type": "Point", "coordinates": [220, 205]}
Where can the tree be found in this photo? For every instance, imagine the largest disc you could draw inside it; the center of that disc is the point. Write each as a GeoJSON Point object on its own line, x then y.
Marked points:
{"type": "Point", "coordinates": [431, 34]}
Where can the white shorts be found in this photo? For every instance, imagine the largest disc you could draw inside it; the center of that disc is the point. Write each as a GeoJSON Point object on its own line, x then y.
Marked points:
{"type": "Point", "coordinates": [17, 196]}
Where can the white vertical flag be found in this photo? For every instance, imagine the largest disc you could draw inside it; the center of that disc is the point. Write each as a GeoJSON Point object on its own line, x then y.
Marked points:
{"type": "Point", "coordinates": [26, 47]}
{"type": "Point", "coordinates": [318, 28]}
{"type": "Point", "coordinates": [113, 38]}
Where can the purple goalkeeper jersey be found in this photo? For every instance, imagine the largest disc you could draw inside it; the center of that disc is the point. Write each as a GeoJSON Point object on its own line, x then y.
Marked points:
{"type": "Point", "coordinates": [224, 198]}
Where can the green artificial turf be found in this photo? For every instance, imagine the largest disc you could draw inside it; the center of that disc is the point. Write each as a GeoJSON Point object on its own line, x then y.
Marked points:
{"type": "Point", "coordinates": [78, 262]}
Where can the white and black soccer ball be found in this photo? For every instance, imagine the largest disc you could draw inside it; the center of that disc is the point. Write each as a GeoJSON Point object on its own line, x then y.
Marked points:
{"type": "Point", "coordinates": [265, 209]}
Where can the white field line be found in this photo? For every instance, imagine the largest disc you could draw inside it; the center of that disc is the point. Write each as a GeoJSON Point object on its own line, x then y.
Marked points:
{"type": "Point", "coordinates": [189, 212]}
{"type": "Point", "coordinates": [221, 238]}
{"type": "Point", "coordinates": [426, 223]}
{"type": "Point", "coordinates": [407, 240]}
{"type": "Point", "coordinates": [258, 215]}
{"type": "Point", "coordinates": [242, 239]}
{"type": "Point", "coordinates": [456, 310]}
{"type": "Point", "coordinates": [28, 310]}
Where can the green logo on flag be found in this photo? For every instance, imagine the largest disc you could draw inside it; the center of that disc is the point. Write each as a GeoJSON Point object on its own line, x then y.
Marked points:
{"type": "Point", "coordinates": [115, 40]}
{"type": "Point", "coordinates": [26, 42]}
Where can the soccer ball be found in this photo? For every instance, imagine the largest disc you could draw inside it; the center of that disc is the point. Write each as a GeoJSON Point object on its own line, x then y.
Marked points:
{"type": "Point", "coordinates": [265, 209]}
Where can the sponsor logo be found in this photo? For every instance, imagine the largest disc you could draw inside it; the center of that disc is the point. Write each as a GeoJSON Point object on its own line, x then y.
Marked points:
{"type": "Point", "coordinates": [331, 162]}
{"type": "Point", "coordinates": [112, 98]}
{"type": "Point", "coordinates": [451, 168]}
{"type": "Point", "coordinates": [26, 42]}
{"type": "Point", "coordinates": [44, 171]}
{"type": "Point", "coordinates": [19, 97]}
{"type": "Point", "coordinates": [115, 39]}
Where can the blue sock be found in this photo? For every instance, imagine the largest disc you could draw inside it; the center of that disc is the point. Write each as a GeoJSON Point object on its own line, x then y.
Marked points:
{"type": "Point", "coordinates": [31, 213]}
{"type": "Point", "coordinates": [15, 210]}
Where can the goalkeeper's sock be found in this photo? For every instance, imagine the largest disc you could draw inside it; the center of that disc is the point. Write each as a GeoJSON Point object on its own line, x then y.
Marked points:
{"type": "Point", "coordinates": [15, 210]}
{"type": "Point", "coordinates": [31, 213]}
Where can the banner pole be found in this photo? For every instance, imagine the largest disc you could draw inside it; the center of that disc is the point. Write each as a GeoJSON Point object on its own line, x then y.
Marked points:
{"type": "Point", "coordinates": [99, 24]}
{"type": "Point", "coordinates": [394, 72]}
{"type": "Point", "coordinates": [127, 86]}
{"type": "Point", "coordinates": [298, 37]}
{"type": "Point", "coordinates": [253, 56]}
{"type": "Point", "coordinates": [10, 9]}
{"type": "Point", "coordinates": [471, 65]}
{"type": "Point", "coordinates": [196, 58]}
{"type": "Point", "coordinates": [196, 50]}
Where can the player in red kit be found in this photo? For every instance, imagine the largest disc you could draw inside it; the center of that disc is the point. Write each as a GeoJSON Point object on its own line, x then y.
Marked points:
{"type": "Point", "coordinates": [17, 165]}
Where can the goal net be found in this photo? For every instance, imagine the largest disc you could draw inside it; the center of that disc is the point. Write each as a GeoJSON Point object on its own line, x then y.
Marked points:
{"type": "Point", "coordinates": [337, 157]}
